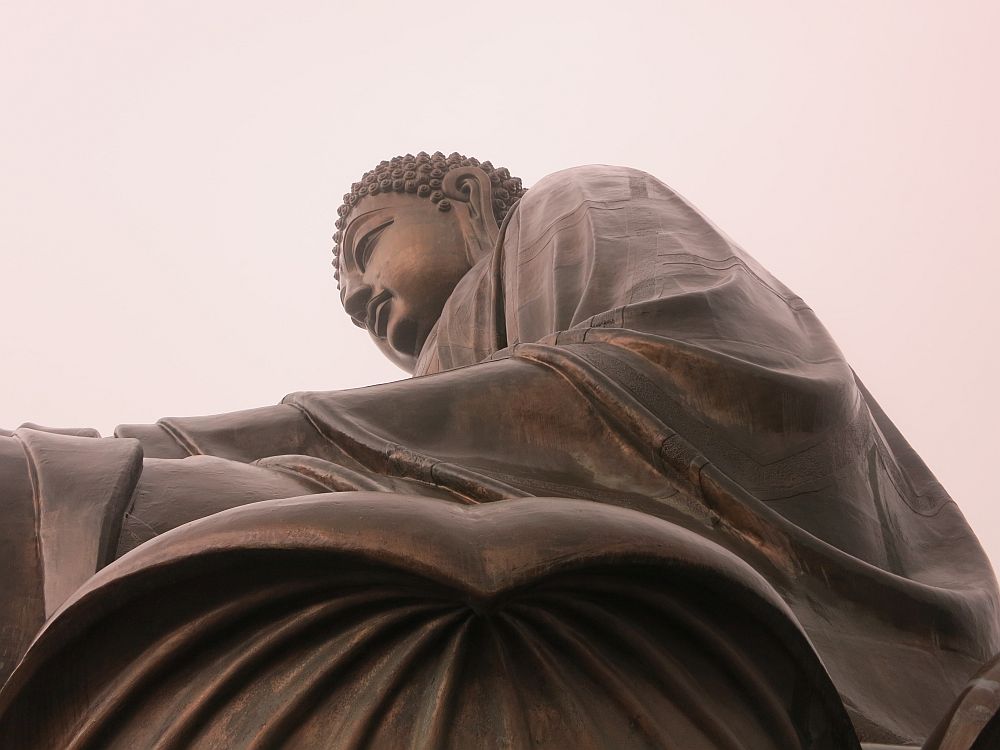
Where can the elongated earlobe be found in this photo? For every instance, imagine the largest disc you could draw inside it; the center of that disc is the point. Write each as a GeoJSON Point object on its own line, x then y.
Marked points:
{"type": "Point", "coordinates": [471, 186]}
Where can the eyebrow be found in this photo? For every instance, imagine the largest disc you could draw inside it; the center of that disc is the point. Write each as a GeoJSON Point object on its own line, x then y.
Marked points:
{"type": "Point", "coordinates": [361, 245]}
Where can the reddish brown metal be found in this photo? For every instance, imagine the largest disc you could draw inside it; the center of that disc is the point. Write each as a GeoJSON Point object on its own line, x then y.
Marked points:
{"type": "Point", "coordinates": [635, 498]}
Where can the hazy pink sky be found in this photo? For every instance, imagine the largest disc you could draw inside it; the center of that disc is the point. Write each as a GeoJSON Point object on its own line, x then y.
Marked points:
{"type": "Point", "coordinates": [171, 171]}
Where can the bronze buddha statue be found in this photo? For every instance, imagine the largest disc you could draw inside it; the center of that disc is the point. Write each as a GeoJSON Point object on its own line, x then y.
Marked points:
{"type": "Point", "coordinates": [634, 497]}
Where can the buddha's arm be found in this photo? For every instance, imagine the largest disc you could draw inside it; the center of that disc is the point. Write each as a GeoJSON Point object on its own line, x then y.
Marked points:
{"type": "Point", "coordinates": [468, 436]}
{"type": "Point", "coordinates": [70, 501]}
{"type": "Point", "coordinates": [238, 436]}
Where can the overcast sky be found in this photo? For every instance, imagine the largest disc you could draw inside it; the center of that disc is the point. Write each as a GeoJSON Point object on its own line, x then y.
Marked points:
{"type": "Point", "coordinates": [170, 172]}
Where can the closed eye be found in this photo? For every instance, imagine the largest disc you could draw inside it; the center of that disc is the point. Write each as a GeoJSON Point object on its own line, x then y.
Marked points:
{"type": "Point", "coordinates": [364, 247]}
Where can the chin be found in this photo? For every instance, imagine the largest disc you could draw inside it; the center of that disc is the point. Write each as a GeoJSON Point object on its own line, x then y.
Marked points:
{"type": "Point", "coordinates": [403, 361]}
{"type": "Point", "coordinates": [403, 341]}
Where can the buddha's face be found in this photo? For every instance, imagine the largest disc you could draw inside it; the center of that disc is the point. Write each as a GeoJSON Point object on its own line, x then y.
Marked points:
{"type": "Point", "coordinates": [401, 258]}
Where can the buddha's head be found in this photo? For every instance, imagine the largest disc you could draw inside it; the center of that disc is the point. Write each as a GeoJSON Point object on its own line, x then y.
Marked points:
{"type": "Point", "coordinates": [407, 234]}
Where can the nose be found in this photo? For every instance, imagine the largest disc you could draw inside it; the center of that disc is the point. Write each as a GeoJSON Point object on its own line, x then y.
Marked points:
{"type": "Point", "coordinates": [356, 303]}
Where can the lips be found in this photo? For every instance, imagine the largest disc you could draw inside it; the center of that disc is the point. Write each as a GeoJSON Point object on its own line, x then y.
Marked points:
{"type": "Point", "coordinates": [377, 317]}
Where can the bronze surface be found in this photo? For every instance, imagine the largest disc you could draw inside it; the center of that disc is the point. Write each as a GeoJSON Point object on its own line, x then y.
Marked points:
{"type": "Point", "coordinates": [634, 497]}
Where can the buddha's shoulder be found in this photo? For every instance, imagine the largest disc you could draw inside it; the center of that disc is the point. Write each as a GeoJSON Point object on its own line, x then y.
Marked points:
{"type": "Point", "coordinates": [566, 190]}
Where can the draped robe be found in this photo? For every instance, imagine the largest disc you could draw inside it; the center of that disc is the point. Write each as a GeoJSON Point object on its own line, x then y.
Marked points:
{"type": "Point", "coordinates": [616, 348]}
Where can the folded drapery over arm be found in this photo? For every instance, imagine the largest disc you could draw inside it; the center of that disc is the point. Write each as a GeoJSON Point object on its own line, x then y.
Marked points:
{"type": "Point", "coordinates": [239, 436]}
{"type": "Point", "coordinates": [62, 500]}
